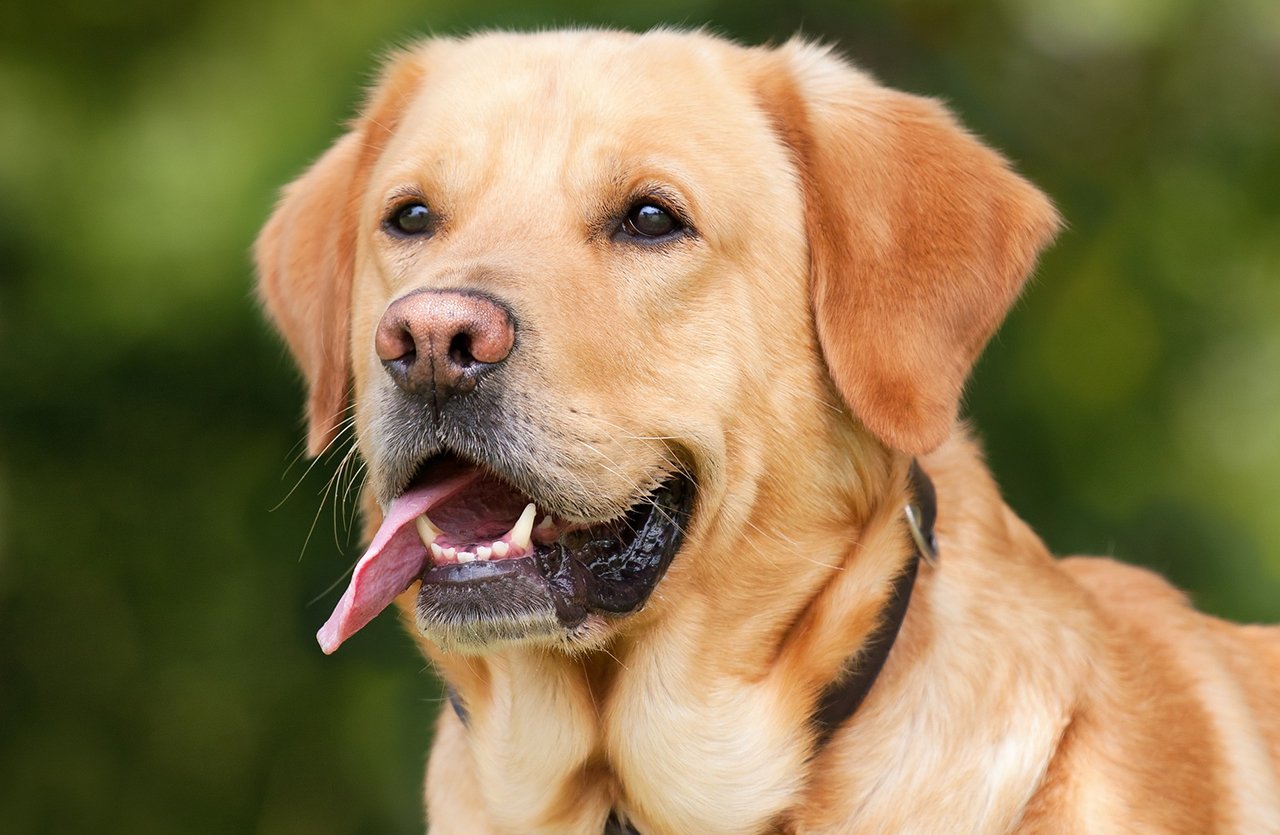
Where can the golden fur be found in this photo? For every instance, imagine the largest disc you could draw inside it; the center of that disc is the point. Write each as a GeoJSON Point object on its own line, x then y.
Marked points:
{"type": "Point", "coordinates": [855, 250]}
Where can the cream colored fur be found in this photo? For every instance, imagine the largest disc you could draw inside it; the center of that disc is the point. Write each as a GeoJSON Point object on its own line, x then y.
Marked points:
{"type": "Point", "coordinates": [855, 249]}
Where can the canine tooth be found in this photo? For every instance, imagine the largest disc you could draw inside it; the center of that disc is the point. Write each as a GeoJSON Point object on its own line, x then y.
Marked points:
{"type": "Point", "coordinates": [427, 531]}
{"type": "Point", "coordinates": [545, 524]}
{"type": "Point", "coordinates": [466, 557]}
{"type": "Point", "coordinates": [437, 551]}
{"type": "Point", "coordinates": [523, 527]}
{"type": "Point", "coordinates": [501, 549]}
{"type": "Point", "coordinates": [483, 553]}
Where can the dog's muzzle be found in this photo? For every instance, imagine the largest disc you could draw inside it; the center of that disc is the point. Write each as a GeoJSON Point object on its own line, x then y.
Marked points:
{"type": "Point", "coordinates": [493, 567]}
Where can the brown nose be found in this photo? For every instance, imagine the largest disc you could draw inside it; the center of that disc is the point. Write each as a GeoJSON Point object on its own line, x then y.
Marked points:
{"type": "Point", "coordinates": [438, 343]}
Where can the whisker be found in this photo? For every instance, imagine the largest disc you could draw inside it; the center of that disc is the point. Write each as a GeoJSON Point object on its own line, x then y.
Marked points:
{"type": "Point", "coordinates": [339, 437]}
{"type": "Point", "coordinates": [339, 501]}
{"type": "Point", "coordinates": [357, 482]}
{"type": "Point", "coordinates": [324, 496]}
{"type": "Point", "coordinates": [615, 658]}
{"type": "Point", "coordinates": [298, 450]}
{"type": "Point", "coordinates": [586, 677]}
{"type": "Point", "coordinates": [790, 542]}
{"type": "Point", "coordinates": [335, 584]}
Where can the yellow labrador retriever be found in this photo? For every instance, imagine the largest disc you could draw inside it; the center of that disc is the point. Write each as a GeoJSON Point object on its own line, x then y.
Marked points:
{"type": "Point", "coordinates": [657, 344]}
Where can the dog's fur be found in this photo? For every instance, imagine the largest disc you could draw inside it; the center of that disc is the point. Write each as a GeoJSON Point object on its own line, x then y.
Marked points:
{"type": "Point", "coordinates": [854, 251]}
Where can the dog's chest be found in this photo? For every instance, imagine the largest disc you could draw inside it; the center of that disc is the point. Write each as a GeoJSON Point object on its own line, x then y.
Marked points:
{"type": "Point", "coordinates": [711, 759]}
{"type": "Point", "coordinates": [676, 750]}
{"type": "Point", "coordinates": [673, 752]}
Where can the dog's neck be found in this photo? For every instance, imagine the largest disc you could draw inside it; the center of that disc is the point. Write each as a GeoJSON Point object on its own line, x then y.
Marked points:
{"type": "Point", "coordinates": [608, 725]}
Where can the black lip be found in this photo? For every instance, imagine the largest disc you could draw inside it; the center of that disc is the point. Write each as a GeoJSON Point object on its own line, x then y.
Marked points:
{"type": "Point", "coordinates": [609, 569]}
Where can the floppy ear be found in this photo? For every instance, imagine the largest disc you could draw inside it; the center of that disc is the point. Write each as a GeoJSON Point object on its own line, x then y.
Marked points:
{"type": "Point", "coordinates": [306, 254]}
{"type": "Point", "coordinates": [306, 262]}
{"type": "Point", "coordinates": [920, 238]}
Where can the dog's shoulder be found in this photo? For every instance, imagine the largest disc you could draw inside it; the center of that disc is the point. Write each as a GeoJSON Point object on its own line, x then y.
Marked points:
{"type": "Point", "coordinates": [1198, 690]}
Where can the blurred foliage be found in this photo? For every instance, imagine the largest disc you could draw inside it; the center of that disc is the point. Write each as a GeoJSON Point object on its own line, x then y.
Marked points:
{"type": "Point", "coordinates": [158, 672]}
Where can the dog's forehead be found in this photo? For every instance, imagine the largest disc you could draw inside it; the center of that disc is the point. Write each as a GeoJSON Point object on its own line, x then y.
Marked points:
{"type": "Point", "coordinates": [561, 104]}
{"type": "Point", "coordinates": [578, 77]}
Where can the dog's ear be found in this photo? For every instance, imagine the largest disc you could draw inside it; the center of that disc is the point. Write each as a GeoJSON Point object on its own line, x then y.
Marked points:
{"type": "Point", "coordinates": [306, 261]}
{"type": "Point", "coordinates": [306, 253]}
{"type": "Point", "coordinates": [920, 238]}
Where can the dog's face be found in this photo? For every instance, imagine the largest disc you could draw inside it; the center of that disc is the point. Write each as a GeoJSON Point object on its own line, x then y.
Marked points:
{"type": "Point", "coordinates": [648, 286]}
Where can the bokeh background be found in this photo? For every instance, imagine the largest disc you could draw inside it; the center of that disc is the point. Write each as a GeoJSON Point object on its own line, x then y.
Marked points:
{"type": "Point", "coordinates": [157, 603]}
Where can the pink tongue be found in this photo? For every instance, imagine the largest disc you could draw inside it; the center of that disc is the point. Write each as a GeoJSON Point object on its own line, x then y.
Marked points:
{"type": "Point", "coordinates": [395, 558]}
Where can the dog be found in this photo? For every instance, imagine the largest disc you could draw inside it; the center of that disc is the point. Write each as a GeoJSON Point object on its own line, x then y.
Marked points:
{"type": "Point", "coordinates": [655, 345]}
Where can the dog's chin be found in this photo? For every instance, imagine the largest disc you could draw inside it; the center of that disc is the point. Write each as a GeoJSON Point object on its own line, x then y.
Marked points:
{"type": "Point", "coordinates": [480, 606]}
{"type": "Point", "coordinates": [474, 622]}
{"type": "Point", "coordinates": [569, 592]}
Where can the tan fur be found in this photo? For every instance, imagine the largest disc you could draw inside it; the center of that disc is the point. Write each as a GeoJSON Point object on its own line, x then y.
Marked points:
{"type": "Point", "coordinates": [855, 250]}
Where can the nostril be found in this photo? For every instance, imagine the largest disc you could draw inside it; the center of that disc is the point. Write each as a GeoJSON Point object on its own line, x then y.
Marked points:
{"type": "Point", "coordinates": [403, 362]}
{"type": "Point", "coordinates": [394, 342]}
{"type": "Point", "coordinates": [460, 350]}
{"type": "Point", "coordinates": [439, 342]}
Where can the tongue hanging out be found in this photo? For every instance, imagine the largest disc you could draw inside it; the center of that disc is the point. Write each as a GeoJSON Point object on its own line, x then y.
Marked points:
{"type": "Point", "coordinates": [492, 571]}
{"type": "Point", "coordinates": [471, 519]}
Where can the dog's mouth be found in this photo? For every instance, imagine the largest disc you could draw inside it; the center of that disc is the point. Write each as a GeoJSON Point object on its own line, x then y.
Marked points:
{"type": "Point", "coordinates": [495, 566]}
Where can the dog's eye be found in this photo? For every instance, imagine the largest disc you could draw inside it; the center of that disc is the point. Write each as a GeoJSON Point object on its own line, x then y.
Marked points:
{"type": "Point", "coordinates": [410, 219]}
{"type": "Point", "coordinates": [650, 220]}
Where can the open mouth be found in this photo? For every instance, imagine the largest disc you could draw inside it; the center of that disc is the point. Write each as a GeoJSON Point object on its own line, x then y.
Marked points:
{"type": "Point", "coordinates": [494, 566]}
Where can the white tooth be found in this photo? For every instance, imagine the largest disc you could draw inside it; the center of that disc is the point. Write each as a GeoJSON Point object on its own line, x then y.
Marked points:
{"type": "Point", "coordinates": [545, 524]}
{"type": "Point", "coordinates": [466, 557]}
{"type": "Point", "coordinates": [427, 531]}
{"type": "Point", "coordinates": [450, 552]}
{"type": "Point", "coordinates": [437, 551]}
{"type": "Point", "coordinates": [500, 549]}
{"type": "Point", "coordinates": [523, 527]}
{"type": "Point", "coordinates": [483, 553]}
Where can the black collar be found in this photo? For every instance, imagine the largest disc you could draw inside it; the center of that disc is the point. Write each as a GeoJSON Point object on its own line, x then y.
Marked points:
{"type": "Point", "coordinates": [842, 697]}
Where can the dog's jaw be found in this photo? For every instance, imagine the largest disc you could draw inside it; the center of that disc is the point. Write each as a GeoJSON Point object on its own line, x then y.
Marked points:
{"type": "Point", "coordinates": [532, 583]}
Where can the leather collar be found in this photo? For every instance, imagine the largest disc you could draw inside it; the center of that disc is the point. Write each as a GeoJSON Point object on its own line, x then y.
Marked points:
{"type": "Point", "coordinates": [842, 697]}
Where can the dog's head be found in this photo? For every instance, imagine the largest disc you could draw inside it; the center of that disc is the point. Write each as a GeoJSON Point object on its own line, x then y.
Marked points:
{"type": "Point", "coordinates": [610, 301]}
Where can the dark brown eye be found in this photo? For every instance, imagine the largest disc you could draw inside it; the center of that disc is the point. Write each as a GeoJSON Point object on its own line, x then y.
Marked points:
{"type": "Point", "coordinates": [649, 220]}
{"type": "Point", "coordinates": [410, 219]}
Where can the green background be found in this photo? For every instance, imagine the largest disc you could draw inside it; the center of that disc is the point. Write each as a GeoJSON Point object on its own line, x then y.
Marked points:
{"type": "Point", "coordinates": [157, 666]}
